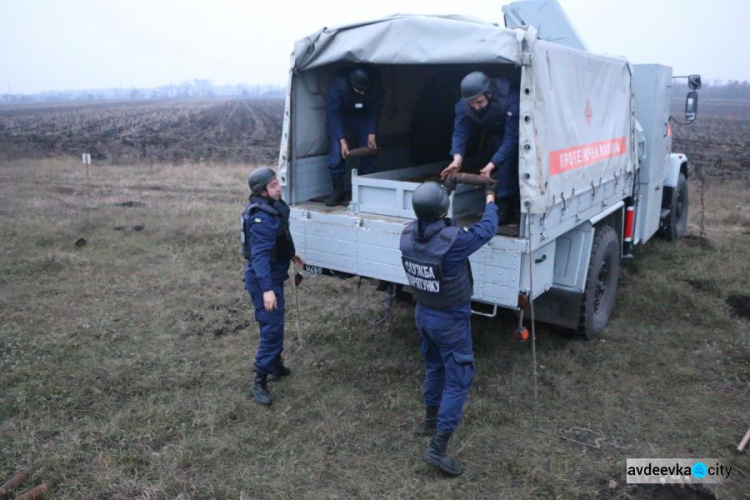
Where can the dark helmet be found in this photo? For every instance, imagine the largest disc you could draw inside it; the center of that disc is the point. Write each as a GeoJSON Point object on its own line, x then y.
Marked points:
{"type": "Point", "coordinates": [360, 78]}
{"type": "Point", "coordinates": [430, 201]}
{"type": "Point", "coordinates": [259, 178]}
{"type": "Point", "coordinates": [475, 84]}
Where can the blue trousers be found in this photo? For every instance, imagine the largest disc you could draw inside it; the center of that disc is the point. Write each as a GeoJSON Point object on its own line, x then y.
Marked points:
{"type": "Point", "coordinates": [336, 164]}
{"type": "Point", "coordinates": [506, 174]}
{"type": "Point", "coordinates": [271, 325]}
{"type": "Point", "coordinates": [448, 353]}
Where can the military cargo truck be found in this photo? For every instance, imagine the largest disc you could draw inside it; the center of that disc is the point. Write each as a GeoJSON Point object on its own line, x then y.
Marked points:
{"type": "Point", "coordinates": [596, 171]}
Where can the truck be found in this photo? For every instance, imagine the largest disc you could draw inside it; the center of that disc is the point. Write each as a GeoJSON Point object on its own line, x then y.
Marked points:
{"type": "Point", "coordinates": [596, 172]}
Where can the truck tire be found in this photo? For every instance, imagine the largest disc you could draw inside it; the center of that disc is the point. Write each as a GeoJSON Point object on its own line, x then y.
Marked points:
{"type": "Point", "coordinates": [601, 282]}
{"type": "Point", "coordinates": [675, 224]}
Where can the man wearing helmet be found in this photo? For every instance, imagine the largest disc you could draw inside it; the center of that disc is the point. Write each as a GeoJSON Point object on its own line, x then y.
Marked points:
{"type": "Point", "coordinates": [491, 106]}
{"type": "Point", "coordinates": [268, 247]}
{"type": "Point", "coordinates": [435, 255]}
{"type": "Point", "coordinates": [353, 101]}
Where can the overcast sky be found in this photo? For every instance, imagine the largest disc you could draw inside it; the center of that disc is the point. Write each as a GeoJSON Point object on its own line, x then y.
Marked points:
{"type": "Point", "coordinates": [89, 44]}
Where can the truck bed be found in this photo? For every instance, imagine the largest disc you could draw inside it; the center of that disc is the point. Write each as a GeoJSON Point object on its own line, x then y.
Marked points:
{"type": "Point", "coordinates": [320, 206]}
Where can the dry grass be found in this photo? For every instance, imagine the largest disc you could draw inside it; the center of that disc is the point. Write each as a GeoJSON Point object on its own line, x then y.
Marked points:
{"type": "Point", "coordinates": [125, 363]}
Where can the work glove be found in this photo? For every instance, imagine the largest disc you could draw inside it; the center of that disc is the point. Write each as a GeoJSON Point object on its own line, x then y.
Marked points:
{"type": "Point", "coordinates": [490, 186]}
{"type": "Point", "coordinates": [450, 184]}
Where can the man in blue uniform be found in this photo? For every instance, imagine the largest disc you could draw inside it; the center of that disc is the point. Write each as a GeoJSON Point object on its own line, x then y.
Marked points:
{"type": "Point", "coordinates": [353, 101]}
{"type": "Point", "coordinates": [268, 248]}
{"type": "Point", "coordinates": [489, 106]}
{"type": "Point", "coordinates": [435, 255]}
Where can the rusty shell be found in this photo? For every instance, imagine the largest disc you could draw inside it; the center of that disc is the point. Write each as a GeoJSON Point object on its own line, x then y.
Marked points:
{"type": "Point", "coordinates": [37, 492]}
{"type": "Point", "coordinates": [14, 482]}
{"type": "Point", "coordinates": [354, 153]}
{"type": "Point", "coordinates": [473, 179]}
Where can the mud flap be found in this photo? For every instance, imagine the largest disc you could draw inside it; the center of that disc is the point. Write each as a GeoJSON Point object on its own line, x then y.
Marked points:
{"type": "Point", "coordinates": [557, 307]}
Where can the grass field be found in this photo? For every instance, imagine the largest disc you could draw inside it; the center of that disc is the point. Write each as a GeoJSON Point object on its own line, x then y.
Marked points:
{"type": "Point", "coordinates": [126, 347]}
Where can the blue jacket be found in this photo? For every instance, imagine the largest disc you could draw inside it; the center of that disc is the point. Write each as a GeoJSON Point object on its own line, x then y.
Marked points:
{"type": "Point", "coordinates": [342, 102]}
{"type": "Point", "coordinates": [265, 233]}
{"type": "Point", "coordinates": [500, 117]}
{"type": "Point", "coordinates": [469, 240]}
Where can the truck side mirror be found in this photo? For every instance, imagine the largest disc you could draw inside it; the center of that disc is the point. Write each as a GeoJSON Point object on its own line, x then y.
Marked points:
{"type": "Point", "coordinates": [691, 106]}
{"type": "Point", "coordinates": [694, 82]}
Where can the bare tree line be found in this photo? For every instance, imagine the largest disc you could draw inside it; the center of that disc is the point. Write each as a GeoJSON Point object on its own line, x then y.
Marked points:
{"type": "Point", "coordinates": [197, 88]}
{"type": "Point", "coordinates": [732, 89]}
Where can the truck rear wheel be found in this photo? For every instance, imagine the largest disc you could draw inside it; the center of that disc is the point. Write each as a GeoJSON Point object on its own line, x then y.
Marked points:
{"type": "Point", "coordinates": [601, 282]}
{"type": "Point", "coordinates": [675, 225]}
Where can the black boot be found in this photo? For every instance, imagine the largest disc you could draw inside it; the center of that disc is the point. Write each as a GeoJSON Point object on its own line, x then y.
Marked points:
{"type": "Point", "coordinates": [260, 390]}
{"type": "Point", "coordinates": [430, 420]}
{"type": "Point", "coordinates": [435, 455]}
{"type": "Point", "coordinates": [338, 190]}
{"type": "Point", "coordinates": [280, 370]}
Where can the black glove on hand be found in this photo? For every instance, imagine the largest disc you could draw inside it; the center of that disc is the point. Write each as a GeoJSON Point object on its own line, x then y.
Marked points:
{"type": "Point", "coordinates": [489, 188]}
{"type": "Point", "coordinates": [450, 184]}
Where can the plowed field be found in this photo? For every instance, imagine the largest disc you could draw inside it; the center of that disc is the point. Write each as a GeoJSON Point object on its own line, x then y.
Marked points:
{"type": "Point", "coordinates": [248, 131]}
{"type": "Point", "coordinates": [718, 141]}
{"type": "Point", "coordinates": [245, 131]}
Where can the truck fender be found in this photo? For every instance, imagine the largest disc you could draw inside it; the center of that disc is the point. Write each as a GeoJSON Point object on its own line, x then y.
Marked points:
{"type": "Point", "coordinates": [573, 248]}
{"type": "Point", "coordinates": [561, 304]}
{"type": "Point", "coordinates": [678, 162]}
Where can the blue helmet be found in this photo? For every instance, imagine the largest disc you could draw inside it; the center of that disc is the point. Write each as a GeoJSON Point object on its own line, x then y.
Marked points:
{"type": "Point", "coordinates": [259, 178]}
{"type": "Point", "coordinates": [475, 84]}
{"type": "Point", "coordinates": [430, 201]}
{"type": "Point", "coordinates": [361, 78]}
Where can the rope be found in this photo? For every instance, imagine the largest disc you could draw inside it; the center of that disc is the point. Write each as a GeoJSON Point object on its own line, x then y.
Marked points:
{"type": "Point", "coordinates": [360, 313]}
{"type": "Point", "coordinates": [531, 305]}
{"type": "Point", "coordinates": [300, 339]}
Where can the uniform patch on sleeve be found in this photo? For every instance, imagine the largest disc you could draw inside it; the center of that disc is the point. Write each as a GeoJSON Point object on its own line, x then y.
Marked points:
{"type": "Point", "coordinates": [257, 220]}
{"type": "Point", "coordinates": [466, 229]}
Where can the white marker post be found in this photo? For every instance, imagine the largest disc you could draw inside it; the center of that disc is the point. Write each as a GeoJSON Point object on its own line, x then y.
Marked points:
{"type": "Point", "coordinates": [86, 157]}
